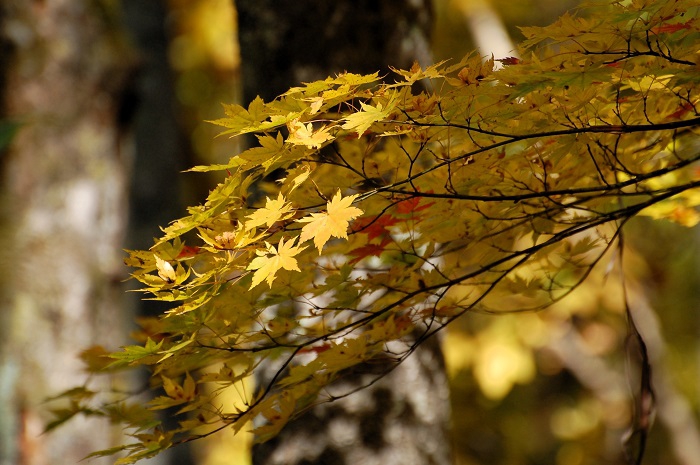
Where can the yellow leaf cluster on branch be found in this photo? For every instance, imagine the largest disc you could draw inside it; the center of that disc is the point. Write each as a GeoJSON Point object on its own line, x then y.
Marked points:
{"type": "Point", "coordinates": [497, 190]}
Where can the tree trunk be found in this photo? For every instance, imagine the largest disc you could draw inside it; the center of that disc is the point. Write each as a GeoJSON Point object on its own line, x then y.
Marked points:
{"type": "Point", "coordinates": [156, 193]}
{"type": "Point", "coordinates": [63, 199]}
{"type": "Point", "coordinates": [285, 43]}
{"type": "Point", "coordinates": [403, 418]}
{"type": "Point", "coordinates": [161, 146]}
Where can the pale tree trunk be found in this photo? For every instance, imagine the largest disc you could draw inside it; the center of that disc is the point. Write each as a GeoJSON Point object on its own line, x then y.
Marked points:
{"type": "Point", "coordinates": [487, 29]}
{"type": "Point", "coordinates": [402, 419]}
{"type": "Point", "coordinates": [63, 215]}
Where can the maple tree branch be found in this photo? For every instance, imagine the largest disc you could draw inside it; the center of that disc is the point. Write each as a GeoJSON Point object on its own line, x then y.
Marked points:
{"type": "Point", "coordinates": [628, 54]}
{"type": "Point", "coordinates": [520, 256]}
{"type": "Point", "coordinates": [614, 190]}
{"type": "Point", "coordinates": [621, 214]}
{"type": "Point", "coordinates": [556, 173]}
{"type": "Point", "coordinates": [608, 129]}
{"type": "Point", "coordinates": [623, 129]}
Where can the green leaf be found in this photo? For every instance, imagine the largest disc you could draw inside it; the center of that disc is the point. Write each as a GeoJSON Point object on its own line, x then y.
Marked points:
{"type": "Point", "coordinates": [147, 354]}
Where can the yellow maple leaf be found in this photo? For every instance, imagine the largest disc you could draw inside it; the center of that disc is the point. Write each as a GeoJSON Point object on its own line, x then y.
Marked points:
{"type": "Point", "coordinates": [334, 222]}
{"type": "Point", "coordinates": [316, 104]}
{"type": "Point", "coordinates": [297, 180]}
{"type": "Point", "coordinates": [303, 134]}
{"type": "Point", "coordinates": [268, 262]}
{"type": "Point", "coordinates": [417, 74]}
{"type": "Point", "coordinates": [165, 270]}
{"type": "Point", "coordinates": [274, 210]}
{"type": "Point", "coordinates": [362, 120]}
{"type": "Point", "coordinates": [186, 391]}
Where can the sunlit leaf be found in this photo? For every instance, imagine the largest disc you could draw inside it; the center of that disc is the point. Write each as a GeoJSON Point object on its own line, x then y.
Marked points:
{"type": "Point", "coordinates": [268, 262]}
{"type": "Point", "coordinates": [361, 121]}
{"type": "Point", "coordinates": [274, 211]}
{"type": "Point", "coordinates": [333, 222]}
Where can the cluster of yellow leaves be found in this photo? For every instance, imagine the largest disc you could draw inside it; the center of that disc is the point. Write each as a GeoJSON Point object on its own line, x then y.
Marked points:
{"type": "Point", "coordinates": [498, 190]}
{"type": "Point", "coordinates": [321, 226]}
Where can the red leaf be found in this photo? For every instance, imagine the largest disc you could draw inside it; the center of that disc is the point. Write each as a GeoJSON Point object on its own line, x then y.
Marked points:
{"type": "Point", "coordinates": [411, 205]}
{"type": "Point", "coordinates": [188, 251]}
{"type": "Point", "coordinates": [509, 60]}
{"type": "Point", "coordinates": [369, 250]}
{"type": "Point", "coordinates": [375, 226]}
{"type": "Point", "coordinates": [315, 349]}
{"type": "Point", "coordinates": [671, 28]}
{"type": "Point", "coordinates": [682, 110]}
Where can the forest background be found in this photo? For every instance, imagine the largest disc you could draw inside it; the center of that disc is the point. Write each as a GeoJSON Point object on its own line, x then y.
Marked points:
{"type": "Point", "coordinates": [527, 390]}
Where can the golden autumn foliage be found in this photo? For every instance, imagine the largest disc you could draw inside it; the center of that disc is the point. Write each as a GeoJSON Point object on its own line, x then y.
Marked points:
{"type": "Point", "coordinates": [392, 207]}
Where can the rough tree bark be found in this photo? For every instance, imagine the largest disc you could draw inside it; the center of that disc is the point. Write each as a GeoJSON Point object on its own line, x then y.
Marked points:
{"type": "Point", "coordinates": [63, 199]}
{"type": "Point", "coordinates": [402, 419]}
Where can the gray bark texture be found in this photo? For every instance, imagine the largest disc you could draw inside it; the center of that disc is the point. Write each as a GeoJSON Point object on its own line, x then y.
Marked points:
{"type": "Point", "coordinates": [403, 418]}
{"type": "Point", "coordinates": [62, 214]}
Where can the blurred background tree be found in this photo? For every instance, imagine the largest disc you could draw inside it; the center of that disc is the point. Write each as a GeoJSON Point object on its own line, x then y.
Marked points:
{"type": "Point", "coordinates": [65, 65]}
{"type": "Point", "coordinates": [106, 91]}
{"type": "Point", "coordinates": [305, 41]}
